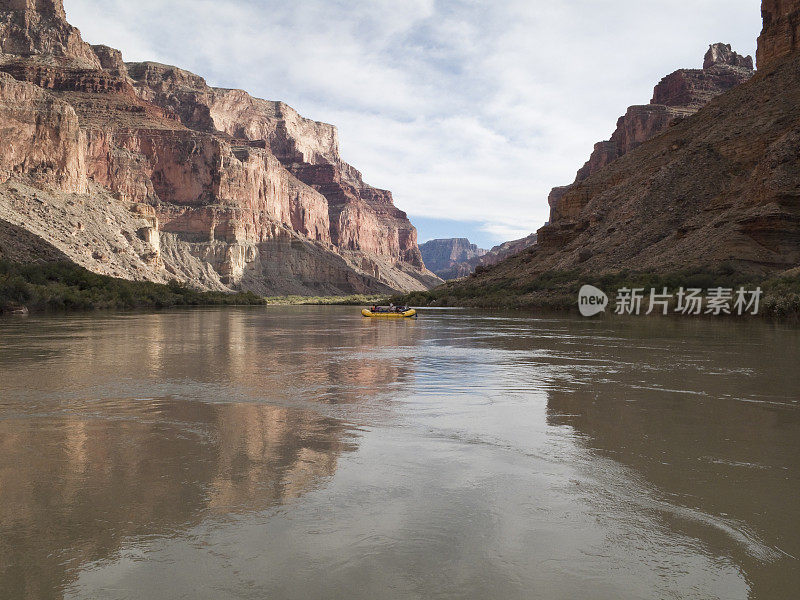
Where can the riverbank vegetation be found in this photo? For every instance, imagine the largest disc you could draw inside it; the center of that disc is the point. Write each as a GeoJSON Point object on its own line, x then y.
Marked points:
{"type": "Point", "coordinates": [354, 300]}
{"type": "Point", "coordinates": [66, 286]}
{"type": "Point", "coordinates": [559, 290]}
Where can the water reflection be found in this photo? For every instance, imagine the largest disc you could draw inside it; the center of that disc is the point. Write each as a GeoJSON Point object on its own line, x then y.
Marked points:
{"type": "Point", "coordinates": [74, 486]}
{"type": "Point", "coordinates": [707, 418]}
{"type": "Point", "coordinates": [213, 355]}
{"type": "Point", "coordinates": [86, 465]}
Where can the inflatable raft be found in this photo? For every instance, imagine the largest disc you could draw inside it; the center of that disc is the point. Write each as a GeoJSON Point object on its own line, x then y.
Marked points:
{"type": "Point", "coordinates": [390, 315]}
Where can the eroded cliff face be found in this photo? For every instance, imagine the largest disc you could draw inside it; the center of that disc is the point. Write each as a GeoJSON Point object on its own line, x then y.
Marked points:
{"type": "Point", "coordinates": [41, 138]}
{"type": "Point", "coordinates": [39, 27]}
{"type": "Point", "coordinates": [239, 192]}
{"type": "Point", "coordinates": [781, 31]}
{"type": "Point", "coordinates": [361, 218]}
{"type": "Point", "coordinates": [677, 96]}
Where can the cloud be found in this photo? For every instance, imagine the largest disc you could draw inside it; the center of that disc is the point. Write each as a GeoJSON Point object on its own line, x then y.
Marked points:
{"type": "Point", "coordinates": [467, 110]}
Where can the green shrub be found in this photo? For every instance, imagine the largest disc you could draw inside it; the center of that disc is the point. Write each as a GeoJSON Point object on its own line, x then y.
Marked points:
{"type": "Point", "coordinates": [66, 286]}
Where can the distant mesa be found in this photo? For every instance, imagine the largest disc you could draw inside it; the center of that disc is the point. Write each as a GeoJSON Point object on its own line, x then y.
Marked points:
{"type": "Point", "coordinates": [456, 257]}
{"type": "Point", "coordinates": [448, 257]}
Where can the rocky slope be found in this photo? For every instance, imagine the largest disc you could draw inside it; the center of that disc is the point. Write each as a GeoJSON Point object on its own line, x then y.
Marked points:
{"type": "Point", "coordinates": [676, 96]}
{"type": "Point", "coordinates": [448, 258]}
{"type": "Point", "coordinates": [144, 171]}
{"type": "Point", "coordinates": [720, 187]}
{"type": "Point", "coordinates": [503, 251]}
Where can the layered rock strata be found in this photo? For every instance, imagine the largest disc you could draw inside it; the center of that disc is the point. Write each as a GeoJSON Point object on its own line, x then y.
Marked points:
{"type": "Point", "coordinates": [781, 30]}
{"type": "Point", "coordinates": [677, 96]}
{"type": "Point", "coordinates": [719, 189]}
{"type": "Point", "coordinates": [240, 192]}
{"type": "Point", "coordinates": [448, 258]}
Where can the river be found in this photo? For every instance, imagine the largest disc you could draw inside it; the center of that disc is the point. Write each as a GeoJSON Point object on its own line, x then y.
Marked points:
{"type": "Point", "coordinates": [306, 452]}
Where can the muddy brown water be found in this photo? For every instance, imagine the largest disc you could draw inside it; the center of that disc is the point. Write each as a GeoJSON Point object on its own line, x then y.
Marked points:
{"type": "Point", "coordinates": [306, 452]}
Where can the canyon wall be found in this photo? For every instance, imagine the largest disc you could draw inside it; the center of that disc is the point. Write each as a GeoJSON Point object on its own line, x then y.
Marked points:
{"type": "Point", "coordinates": [781, 30]}
{"type": "Point", "coordinates": [715, 188]}
{"type": "Point", "coordinates": [676, 96]}
{"type": "Point", "coordinates": [230, 191]}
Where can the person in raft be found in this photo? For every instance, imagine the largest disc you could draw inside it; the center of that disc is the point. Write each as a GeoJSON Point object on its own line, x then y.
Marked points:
{"type": "Point", "coordinates": [386, 309]}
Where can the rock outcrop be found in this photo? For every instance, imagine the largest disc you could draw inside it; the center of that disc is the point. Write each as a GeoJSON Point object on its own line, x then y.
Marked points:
{"type": "Point", "coordinates": [226, 191]}
{"type": "Point", "coordinates": [677, 96]}
{"type": "Point", "coordinates": [719, 188]}
{"type": "Point", "coordinates": [42, 138]}
{"type": "Point", "coordinates": [781, 31]}
{"type": "Point", "coordinates": [449, 258]}
{"type": "Point", "coordinates": [39, 28]}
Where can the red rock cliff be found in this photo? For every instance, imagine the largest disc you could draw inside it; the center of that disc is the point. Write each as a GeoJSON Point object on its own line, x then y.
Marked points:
{"type": "Point", "coordinates": [362, 218]}
{"type": "Point", "coordinates": [244, 192]}
{"type": "Point", "coordinates": [39, 27]}
{"type": "Point", "coordinates": [781, 31]}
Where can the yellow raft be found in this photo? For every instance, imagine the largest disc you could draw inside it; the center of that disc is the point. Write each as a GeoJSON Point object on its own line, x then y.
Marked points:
{"type": "Point", "coordinates": [389, 315]}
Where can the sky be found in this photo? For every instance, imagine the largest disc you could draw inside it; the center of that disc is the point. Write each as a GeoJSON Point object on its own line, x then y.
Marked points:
{"type": "Point", "coordinates": [469, 111]}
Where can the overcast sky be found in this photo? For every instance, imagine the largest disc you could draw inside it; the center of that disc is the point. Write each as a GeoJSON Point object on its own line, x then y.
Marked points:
{"type": "Point", "coordinates": [470, 111]}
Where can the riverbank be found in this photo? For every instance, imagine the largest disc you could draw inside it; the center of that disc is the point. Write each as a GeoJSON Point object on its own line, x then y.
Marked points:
{"type": "Point", "coordinates": [66, 286]}
{"type": "Point", "coordinates": [559, 290]}
{"type": "Point", "coordinates": [354, 300]}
